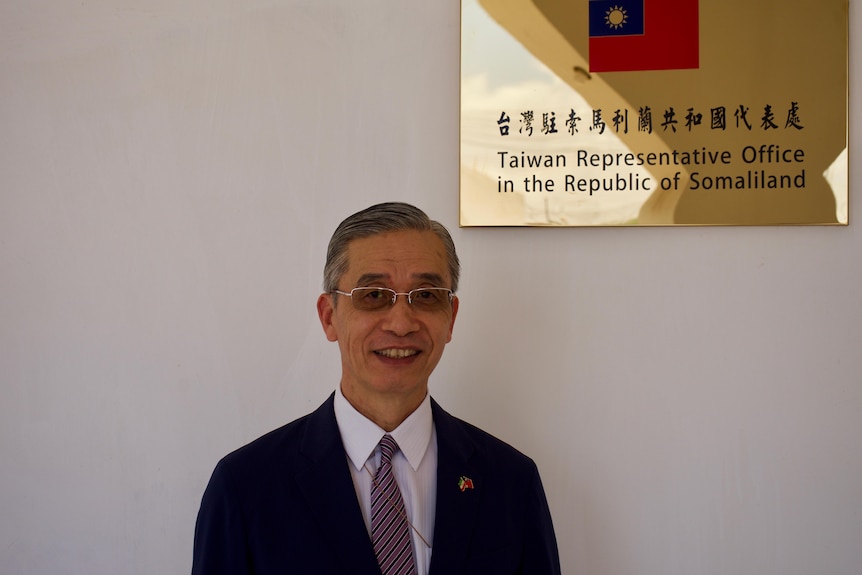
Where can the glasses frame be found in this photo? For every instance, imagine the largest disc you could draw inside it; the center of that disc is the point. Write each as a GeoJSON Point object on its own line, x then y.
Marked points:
{"type": "Point", "coordinates": [394, 294]}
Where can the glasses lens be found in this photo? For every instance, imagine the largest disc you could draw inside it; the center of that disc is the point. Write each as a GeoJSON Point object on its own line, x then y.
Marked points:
{"type": "Point", "coordinates": [371, 298]}
{"type": "Point", "coordinates": [431, 299]}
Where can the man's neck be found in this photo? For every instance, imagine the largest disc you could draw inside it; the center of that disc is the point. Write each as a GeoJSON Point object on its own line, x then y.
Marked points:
{"type": "Point", "coordinates": [387, 411]}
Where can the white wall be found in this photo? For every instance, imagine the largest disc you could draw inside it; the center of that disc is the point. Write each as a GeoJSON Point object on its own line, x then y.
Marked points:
{"type": "Point", "coordinates": [170, 172]}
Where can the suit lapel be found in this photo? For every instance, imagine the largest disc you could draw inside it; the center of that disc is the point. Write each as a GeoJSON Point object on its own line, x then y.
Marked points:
{"type": "Point", "coordinates": [457, 507]}
{"type": "Point", "coordinates": [328, 487]}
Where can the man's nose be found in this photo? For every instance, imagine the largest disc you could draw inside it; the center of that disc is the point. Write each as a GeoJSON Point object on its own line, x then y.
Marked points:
{"type": "Point", "coordinates": [401, 317]}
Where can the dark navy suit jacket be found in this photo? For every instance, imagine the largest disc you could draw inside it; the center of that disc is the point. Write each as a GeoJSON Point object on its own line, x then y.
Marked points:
{"type": "Point", "coordinates": [285, 504]}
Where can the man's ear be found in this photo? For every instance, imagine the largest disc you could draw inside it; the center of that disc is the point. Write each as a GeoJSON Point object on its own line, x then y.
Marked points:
{"type": "Point", "coordinates": [326, 311]}
{"type": "Point", "coordinates": [455, 303]}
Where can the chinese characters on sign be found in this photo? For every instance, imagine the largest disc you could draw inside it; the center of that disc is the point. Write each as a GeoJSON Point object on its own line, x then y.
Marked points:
{"type": "Point", "coordinates": [643, 117]}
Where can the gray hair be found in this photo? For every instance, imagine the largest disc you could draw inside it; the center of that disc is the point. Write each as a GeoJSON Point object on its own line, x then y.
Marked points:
{"type": "Point", "coordinates": [378, 219]}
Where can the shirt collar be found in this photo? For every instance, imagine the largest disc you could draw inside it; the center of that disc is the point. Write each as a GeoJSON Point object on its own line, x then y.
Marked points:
{"type": "Point", "coordinates": [360, 435]}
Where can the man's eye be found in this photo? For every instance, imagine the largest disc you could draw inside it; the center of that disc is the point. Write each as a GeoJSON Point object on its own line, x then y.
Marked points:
{"type": "Point", "coordinates": [430, 297]}
{"type": "Point", "coordinates": [376, 294]}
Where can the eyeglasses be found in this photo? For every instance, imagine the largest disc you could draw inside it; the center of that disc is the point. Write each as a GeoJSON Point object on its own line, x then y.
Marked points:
{"type": "Point", "coordinates": [375, 298]}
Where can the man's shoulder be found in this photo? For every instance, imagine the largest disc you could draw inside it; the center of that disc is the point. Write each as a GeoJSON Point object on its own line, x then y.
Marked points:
{"type": "Point", "coordinates": [487, 446]}
{"type": "Point", "coordinates": [279, 446]}
{"type": "Point", "coordinates": [264, 455]}
{"type": "Point", "coordinates": [275, 440]}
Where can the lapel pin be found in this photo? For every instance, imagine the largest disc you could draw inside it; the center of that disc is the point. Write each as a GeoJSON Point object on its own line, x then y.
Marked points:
{"type": "Point", "coordinates": [465, 483]}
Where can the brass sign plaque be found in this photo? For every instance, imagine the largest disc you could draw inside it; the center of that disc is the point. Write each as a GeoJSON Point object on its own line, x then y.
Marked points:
{"type": "Point", "coordinates": [653, 112]}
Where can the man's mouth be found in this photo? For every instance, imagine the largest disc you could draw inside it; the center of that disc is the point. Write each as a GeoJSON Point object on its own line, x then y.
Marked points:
{"type": "Point", "coordinates": [397, 353]}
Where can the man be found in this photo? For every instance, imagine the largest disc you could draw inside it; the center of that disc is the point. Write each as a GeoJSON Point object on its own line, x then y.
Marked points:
{"type": "Point", "coordinates": [379, 479]}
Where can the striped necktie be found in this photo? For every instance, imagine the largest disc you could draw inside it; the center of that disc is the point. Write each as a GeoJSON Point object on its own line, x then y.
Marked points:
{"type": "Point", "coordinates": [390, 531]}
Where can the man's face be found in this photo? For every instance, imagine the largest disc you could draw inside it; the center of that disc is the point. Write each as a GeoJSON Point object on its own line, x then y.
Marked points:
{"type": "Point", "coordinates": [388, 354]}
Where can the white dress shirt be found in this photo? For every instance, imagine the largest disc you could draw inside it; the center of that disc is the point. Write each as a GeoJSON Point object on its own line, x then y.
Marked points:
{"type": "Point", "coordinates": [414, 466]}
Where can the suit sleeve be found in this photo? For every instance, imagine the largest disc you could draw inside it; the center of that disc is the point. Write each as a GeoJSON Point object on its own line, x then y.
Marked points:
{"type": "Point", "coordinates": [220, 535]}
{"type": "Point", "coordinates": [541, 555]}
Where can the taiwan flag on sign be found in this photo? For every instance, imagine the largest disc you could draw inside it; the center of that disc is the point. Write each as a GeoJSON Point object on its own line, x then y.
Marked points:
{"type": "Point", "coordinates": [629, 35]}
